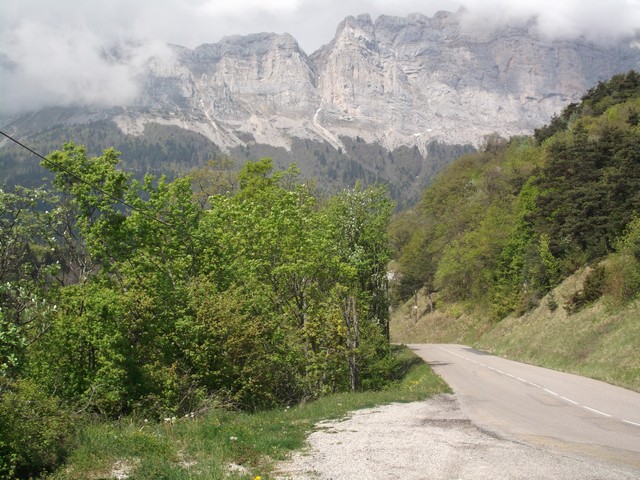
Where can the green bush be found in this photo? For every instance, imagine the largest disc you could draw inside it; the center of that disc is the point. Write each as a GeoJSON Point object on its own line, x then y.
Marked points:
{"type": "Point", "coordinates": [623, 276]}
{"type": "Point", "coordinates": [35, 430]}
{"type": "Point", "coordinates": [594, 287]}
{"type": "Point", "coordinates": [85, 355]}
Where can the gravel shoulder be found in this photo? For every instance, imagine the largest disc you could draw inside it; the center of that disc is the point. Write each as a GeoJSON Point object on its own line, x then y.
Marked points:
{"type": "Point", "coordinates": [431, 440]}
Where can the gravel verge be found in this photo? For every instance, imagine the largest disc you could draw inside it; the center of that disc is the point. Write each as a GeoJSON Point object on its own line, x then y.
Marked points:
{"type": "Point", "coordinates": [431, 440]}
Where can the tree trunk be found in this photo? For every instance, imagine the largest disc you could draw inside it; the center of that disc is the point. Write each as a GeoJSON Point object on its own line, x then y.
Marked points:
{"type": "Point", "coordinates": [350, 316]}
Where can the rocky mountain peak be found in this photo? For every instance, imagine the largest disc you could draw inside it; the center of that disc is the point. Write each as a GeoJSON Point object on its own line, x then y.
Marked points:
{"type": "Point", "coordinates": [357, 30]}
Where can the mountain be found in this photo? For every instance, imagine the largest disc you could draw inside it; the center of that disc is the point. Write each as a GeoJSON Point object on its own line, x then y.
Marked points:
{"type": "Point", "coordinates": [391, 100]}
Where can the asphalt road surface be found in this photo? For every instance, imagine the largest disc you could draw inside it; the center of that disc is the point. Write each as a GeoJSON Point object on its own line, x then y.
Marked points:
{"type": "Point", "coordinates": [556, 410]}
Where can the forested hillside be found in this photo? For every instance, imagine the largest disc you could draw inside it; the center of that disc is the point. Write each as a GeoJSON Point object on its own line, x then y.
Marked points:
{"type": "Point", "coordinates": [159, 299]}
{"type": "Point", "coordinates": [499, 229]}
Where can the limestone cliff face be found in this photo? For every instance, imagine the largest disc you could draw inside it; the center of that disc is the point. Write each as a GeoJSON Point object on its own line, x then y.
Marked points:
{"type": "Point", "coordinates": [256, 87]}
{"type": "Point", "coordinates": [431, 78]}
{"type": "Point", "coordinates": [396, 81]}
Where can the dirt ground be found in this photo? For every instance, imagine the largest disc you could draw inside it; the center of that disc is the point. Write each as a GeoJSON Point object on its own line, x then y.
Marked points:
{"type": "Point", "coordinates": [430, 440]}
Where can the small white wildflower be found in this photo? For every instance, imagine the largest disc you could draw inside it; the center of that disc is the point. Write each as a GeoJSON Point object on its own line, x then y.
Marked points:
{"type": "Point", "coordinates": [233, 439]}
{"type": "Point", "coordinates": [167, 419]}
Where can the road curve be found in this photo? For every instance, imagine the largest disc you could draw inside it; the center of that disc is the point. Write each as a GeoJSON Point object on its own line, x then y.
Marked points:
{"type": "Point", "coordinates": [557, 410]}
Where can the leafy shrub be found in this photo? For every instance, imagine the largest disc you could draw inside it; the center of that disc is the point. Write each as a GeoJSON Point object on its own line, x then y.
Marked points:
{"type": "Point", "coordinates": [594, 286]}
{"type": "Point", "coordinates": [623, 279]}
{"type": "Point", "coordinates": [527, 301]}
{"type": "Point", "coordinates": [35, 430]}
{"type": "Point", "coordinates": [552, 303]}
{"type": "Point", "coordinates": [630, 241]}
{"type": "Point", "coordinates": [623, 276]}
{"type": "Point", "coordinates": [85, 356]}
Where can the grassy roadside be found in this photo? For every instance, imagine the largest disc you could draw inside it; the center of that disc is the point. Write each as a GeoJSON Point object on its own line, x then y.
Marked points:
{"type": "Point", "coordinates": [600, 341]}
{"type": "Point", "coordinates": [205, 447]}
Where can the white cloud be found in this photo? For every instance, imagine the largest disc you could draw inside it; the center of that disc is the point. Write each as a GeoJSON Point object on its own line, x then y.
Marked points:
{"type": "Point", "coordinates": [52, 51]}
{"type": "Point", "coordinates": [45, 65]}
{"type": "Point", "coordinates": [240, 8]}
{"type": "Point", "coordinates": [602, 20]}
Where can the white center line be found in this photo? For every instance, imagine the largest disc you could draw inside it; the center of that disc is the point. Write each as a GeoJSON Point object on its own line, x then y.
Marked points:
{"type": "Point", "coordinates": [595, 411]}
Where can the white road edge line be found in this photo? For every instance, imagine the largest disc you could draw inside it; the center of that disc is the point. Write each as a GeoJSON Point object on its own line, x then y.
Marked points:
{"type": "Point", "coordinates": [631, 423]}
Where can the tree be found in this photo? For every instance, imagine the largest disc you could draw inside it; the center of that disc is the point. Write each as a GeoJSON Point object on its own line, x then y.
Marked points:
{"type": "Point", "coordinates": [214, 178]}
{"type": "Point", "coordinates": [358, 221]}
{"type": "Point", "coordinates": [27, 264]}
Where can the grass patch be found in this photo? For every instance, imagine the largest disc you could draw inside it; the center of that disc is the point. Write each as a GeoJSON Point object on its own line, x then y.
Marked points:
{"type": "Point", "coordinates": [204, 447]}
{"type": "Point", "coordinates": [599, 340]}
{"type": "Point", "coordinates": [413, 322]}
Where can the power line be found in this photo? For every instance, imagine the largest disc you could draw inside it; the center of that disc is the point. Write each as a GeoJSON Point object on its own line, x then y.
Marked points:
{"type": "Point", "coordinates": [82, 180]}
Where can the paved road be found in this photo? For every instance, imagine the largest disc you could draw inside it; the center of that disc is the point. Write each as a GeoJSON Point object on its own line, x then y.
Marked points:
{"type": "Point", "coordinates": [557, 410]}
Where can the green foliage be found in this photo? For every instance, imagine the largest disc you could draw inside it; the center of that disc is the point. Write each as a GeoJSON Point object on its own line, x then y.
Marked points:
{"type": "Point", "coordinates": [617, 90]}
{"type": "Point", "coordinates": [11, 344]}
{"type": "Point", "coordinates": [214, 178]}
{"type": "Point", "coordinates": [27, 262]}
{"type": "Point", "coordinates": [35, 430]}
{"type": "Point", "coordinates": [590, 187]}
{"type": "Point", "coordinates": [623, 271]}
{"type": "Point", "coordinates": [592, 290]}
{"type": "Point", "coordinates": [85, 356]}
{"type": "Point", "coordinates": [629, 243]}
{"type": "Point", "coordinates": [254, 297]}
{"type": "Point", "coordinates": [233, 348]}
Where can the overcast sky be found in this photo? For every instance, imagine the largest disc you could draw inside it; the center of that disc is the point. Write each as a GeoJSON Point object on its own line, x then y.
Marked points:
{"type": "Point", "coordinates": [51, 51]}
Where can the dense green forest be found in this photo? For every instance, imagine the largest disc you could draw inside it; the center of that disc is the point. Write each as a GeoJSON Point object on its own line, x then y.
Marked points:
{"type": "Point", "coordinates": [162, 298]}
{"type": "Point", "coordinates": [500, 228]}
